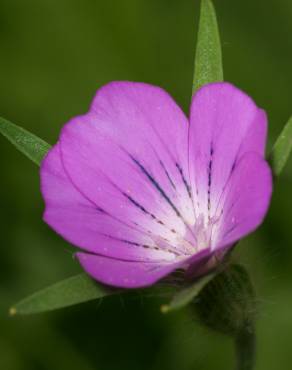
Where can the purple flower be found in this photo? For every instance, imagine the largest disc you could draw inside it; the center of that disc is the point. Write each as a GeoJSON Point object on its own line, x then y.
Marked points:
{"type": "Point", "coordinates": [142, 190]}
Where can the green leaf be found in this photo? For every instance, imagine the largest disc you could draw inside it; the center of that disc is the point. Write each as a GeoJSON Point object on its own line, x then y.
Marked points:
{"type": "Point", "coordinates": [187, 294]}
{"type": "Point", "coordinates": [29, 144]}
{"type": "Point", "coordinates": [282, 149]}
{"type": "Point", "coordinates": [208, 59]}
{"type": "Point", "coordinates": [74, 290]}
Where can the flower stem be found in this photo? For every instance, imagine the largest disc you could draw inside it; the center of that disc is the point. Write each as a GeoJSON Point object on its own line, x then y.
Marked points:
{"type": "Point", "coordinates": [245, 346]}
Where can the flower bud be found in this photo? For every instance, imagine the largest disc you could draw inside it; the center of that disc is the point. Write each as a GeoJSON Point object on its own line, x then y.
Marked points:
{"type": "Point", "coordinates": [227, 303]}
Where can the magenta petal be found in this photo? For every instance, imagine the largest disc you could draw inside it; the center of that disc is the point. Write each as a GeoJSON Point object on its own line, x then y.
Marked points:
{"type": "Point", "coordinates": [125, 274]}
{"type": "Point", "coordinates": [225, 124]}
{"type": "Point", "coordinates": [80, 222]}
{"type": "Point", "coordinates": [245, 201]}
{"type": "Point", "coordinates": [129, 157]}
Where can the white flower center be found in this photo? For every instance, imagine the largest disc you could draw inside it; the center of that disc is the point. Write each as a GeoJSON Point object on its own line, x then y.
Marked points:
{"type": "Point", "coordinates": [205, 232]}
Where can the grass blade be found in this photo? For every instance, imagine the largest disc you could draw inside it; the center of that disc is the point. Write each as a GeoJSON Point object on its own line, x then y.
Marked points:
{"type": "Point", "coordinates": [29, 144]}
{"type": "Point", "coordinates": [208, 59]}
{"type": "Point", "coordinates": [74, 290]}
{"type": "Point", "coordinates": [184, 296]}
{"type": "Point", "coordinates": [281, 149]}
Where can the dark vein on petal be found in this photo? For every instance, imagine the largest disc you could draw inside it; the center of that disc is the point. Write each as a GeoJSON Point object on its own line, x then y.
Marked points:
{"type": "Point", "coordinates": [167, 174]}
{"type": "Point", "coordinates": [100, 210]}
{"type": "Point", "coordinates": [235, 162]}
{"type": "Point", "coordinates": [227, 212]}
{"type": "Point", "coordinates": [144, 210]}
{"type": "Point", "coordinates": [145, 246]}
{"type": "Point", "coordinates": [132, 226]}
{"type": "Point", "coordinates": [193, 178]}
{"type": "Point", "coordinates": [181, 174]}
{"type": "Point", "coordinates": [163, 165]}
{"type": "Point", "coordinates": [156, 185]}
{"type": "Point", "coordinates": [210, 177]}
{"type": "Point", "coordinates": [162, 192]}
{"type": "Point", "coordinates": [187, 186]}
{"type": "Point", "coordinates": [146, 262]}
{"type": "Point", "coordinates": [229, 230]}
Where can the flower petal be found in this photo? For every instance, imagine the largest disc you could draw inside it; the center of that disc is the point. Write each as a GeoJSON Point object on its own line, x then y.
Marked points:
{"type": "Point", "coordinates": [128, 155]}
{"type": "Point", "coordinates": [225, 124]}
{"type": "Point", "coordinates": [125, 274]}
{"type": "Point", "coordinates": [83, 224]}
{"type": "Point", "coordinates": [245, 200]}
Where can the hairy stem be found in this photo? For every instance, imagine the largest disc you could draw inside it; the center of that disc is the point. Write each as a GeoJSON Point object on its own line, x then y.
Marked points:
{"type": "Point", "coordinates": [245, 346]}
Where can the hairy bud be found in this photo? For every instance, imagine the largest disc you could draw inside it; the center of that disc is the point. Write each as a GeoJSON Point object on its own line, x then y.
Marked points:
{"type": "Point", "coordinates": [227, 303]}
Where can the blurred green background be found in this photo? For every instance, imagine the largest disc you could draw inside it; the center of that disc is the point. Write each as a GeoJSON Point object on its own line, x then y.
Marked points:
{"type": "Point", "coordinates": [54, 54]}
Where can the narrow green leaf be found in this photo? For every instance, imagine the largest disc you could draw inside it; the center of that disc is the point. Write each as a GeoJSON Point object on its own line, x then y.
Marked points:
{"type": "Point", "coordinates": [208, 59]}
{"type": "Point", "coordinates": [187, 294]}
{"type": "Point", "coordinates": [29, 144]}
{"type": "Point", "coordinates": [74, 290]}
{"type": "Point", "coordinates": [281, 149]}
